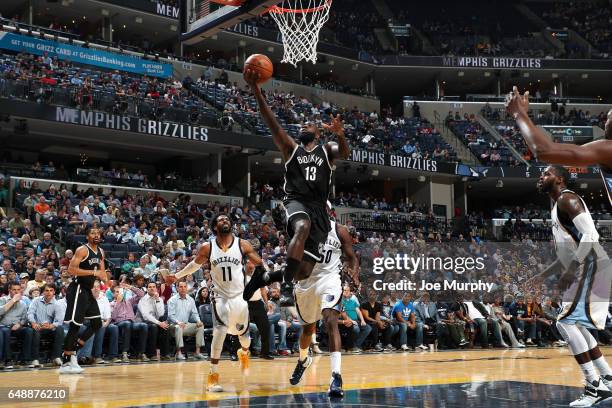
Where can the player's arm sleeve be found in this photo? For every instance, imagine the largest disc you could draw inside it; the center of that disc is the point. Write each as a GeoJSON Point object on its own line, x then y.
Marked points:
{"type": "Point", "coordinates": [590, 237]}
{"type": "Point", "coordinates": [189, 269]}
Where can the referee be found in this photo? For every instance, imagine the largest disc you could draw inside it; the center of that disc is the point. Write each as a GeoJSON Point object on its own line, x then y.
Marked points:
{"type": "Point", "coordinates": [259, 315]}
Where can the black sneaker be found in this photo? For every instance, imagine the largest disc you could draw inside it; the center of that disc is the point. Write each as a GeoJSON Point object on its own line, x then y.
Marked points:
{"type": "Point", "coordinates": [234, 357]}
{"type": "Point", "coordinates": [286, 298]}
{"type": "Point", "coordinates": [266, 357]}
{"type": "Point", "coordinates": [335, 387]}
{"type": "Point", "coordinates": [299, 370]}
{"type": "Point", "coordinates": [257, 281]}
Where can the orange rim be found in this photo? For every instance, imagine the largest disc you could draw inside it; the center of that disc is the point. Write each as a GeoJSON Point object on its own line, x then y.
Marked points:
{"type": "Point", "coordinates": [282, 10]}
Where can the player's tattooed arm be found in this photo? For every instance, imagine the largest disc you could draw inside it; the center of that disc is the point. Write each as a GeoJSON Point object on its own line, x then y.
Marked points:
{"type": "Point", "coordinates": [284, 143]}
{"type": "Point", "coordinates": [596, 152]}
{"type": "Point", "coordinates": [347, 249]}
{"type": "Point", "coordinates": [340, 150]}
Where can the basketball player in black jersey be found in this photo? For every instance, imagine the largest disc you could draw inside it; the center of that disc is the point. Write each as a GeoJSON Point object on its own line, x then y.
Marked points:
{"type": "Point", "coordinates": [598, 152]}
{"type": "Point", "coordinates": [86, 266]}
{"type": "Point", "coordinates": [308, 171]}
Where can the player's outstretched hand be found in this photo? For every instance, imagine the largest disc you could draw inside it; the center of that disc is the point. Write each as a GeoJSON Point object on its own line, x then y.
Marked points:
{"type": "Point", "coordinates": [251, 77]}
{"type": "Point", "coordinates": [169, 279]}
{"type": "Point", "coordinates": [516, 103]}
{"type": "Point", "coordinates": [336, 125]}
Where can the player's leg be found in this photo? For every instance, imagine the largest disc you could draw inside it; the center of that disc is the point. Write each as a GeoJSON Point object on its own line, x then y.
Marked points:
{"type": "Point", "coordinates": [219, 333]}
{"type": "Point", "coordinates": [308, 308]}
{"type": "Point", "coordinates": [239, 317]}
{"type": "Point", "coordinates": [330, 320]}
{"type": "Point", "coordinates": [304, 360]}
{"type": "Point", "coordinates": [78, 304]}
{"type": "Point", "coordinates": [298, 226]}
{"type": "Point", "coordinates": [595, 391]}
{"type": "Point", "coordinates": [597, 358]}
{"type": "Point", "coordinates": [220, 317]}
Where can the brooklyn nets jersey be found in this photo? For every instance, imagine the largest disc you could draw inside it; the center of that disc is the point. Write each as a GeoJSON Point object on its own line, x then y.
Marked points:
{"type": "Point", "coordinates": [227, 269]}
{"type": "Point", "coordinates": [92, 262]}
{"type": "Point", "coordinates": [308, 175]}
{"type": "Point", "coordinates": [332, 251]}
{"type": "Point", "coordinates": [606, 175]}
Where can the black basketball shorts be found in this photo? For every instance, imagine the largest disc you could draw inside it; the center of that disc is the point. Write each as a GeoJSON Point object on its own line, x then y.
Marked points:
{"type": "Point", "coordinates": [319, 226]}
{"type": "Point", "coordinates": [80, 304]}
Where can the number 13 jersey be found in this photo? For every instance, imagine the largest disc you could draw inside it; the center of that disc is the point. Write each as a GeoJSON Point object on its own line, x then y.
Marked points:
{"type": "Point", "coordinates": [308, 175]}
{"type": "Point", "coordinates": [227, 269]}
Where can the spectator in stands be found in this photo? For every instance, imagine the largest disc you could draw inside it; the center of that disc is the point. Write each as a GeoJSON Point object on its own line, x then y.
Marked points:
{"type": "Point", "coordinates": [498, 312]}
{"type": "Point", "coordinates": [46, 319]}
{"type": "Point", "coordinates": [403, 312]}
{"type": "Point", "coordinates": [352, 321]}
{"type": "Point", "coordinates": [151, 311]}
{"type": "Point", "coordinates": [122, 315]}
{"type": "Point", "coordinates": [525, 319]}
{"type": "Point", "coordinates": [290, 323]}
{"type": "Point", "coordinates": [372, 311]}
{"type": "Point", "coordinates": [130, 265]}
{"type": "Point", "coordinates": [13, 319]}
{"type": "Point", "coordinates": [65, 261]}
{"type": "Point", "coordinates": [39, 281]}
{"type": "Point", "coordinates": [391, 328]}
{"type": "Point", "coordinates": [183, 315]}
{"type": "Point", "coordinates": [426, 314]}
{"type": "Point", "coordinates": [142, 236]}
{"type": "Point", "coordinates": [274, 316]}
{"type": "Point", "coordinates": [42, 210]}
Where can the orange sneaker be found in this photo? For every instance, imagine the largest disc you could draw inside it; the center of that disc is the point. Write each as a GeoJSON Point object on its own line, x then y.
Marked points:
{"type": "Point", "coordinates": [213, 383]}
{"type": "Point", "coordinates": [243, 356]}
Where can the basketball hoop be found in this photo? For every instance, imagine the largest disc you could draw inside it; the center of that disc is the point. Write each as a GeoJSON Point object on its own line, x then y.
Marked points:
{"type": "Point", "coordinates": [300, 22]}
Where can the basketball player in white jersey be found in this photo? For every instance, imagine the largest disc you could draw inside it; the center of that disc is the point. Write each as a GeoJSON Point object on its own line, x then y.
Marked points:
{"type": "Point", "coordinates": [585, 281]}
{"type": "Point", "coordinates": [318, 296]}
{"type": "Point", "coordinates": [226, 255]}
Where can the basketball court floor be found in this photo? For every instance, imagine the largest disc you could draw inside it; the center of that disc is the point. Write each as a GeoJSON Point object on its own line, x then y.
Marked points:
{"type": "Point", "coordinates": [474, 378]}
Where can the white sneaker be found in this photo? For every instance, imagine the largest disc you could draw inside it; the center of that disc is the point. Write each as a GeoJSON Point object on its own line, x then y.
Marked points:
{"type": "Point", "coordinates": [57, 362]}
{"type": "Point", "coordinates": [34, 364]}
{"type": "Point", "coordinates": [180, 356]}
{"type": "Point", "coordinates": [72, 367]}
{"type": "Point", "coordinates": [529, 342]}
{"type": "Point", "coordinates": [519, 345]}
{"type": "Point", "coordinates": [316, 349]}
{"type": "Point", "coordinates": [405, 347]}
{"type": "Point", "coordinates": [423, 347]}
{"type": "Point", "coordinates": [504, 345]}
{"type": "Point", "coordinates": [199, 356]}
{"type": "Point", "coordinates": [593, 394]}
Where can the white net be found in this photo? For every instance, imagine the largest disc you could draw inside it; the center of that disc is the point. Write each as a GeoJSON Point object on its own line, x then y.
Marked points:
{"type": "Point", "coordinates": [300, 22]}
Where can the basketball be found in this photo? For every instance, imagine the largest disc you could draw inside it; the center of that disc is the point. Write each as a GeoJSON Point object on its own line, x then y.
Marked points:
{"type": "Point", "coordinates": [262, 65]}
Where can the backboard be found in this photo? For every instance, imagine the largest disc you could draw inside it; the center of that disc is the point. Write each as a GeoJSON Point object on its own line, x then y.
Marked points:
{"type": "Point", "coordinates": [201, 19]}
